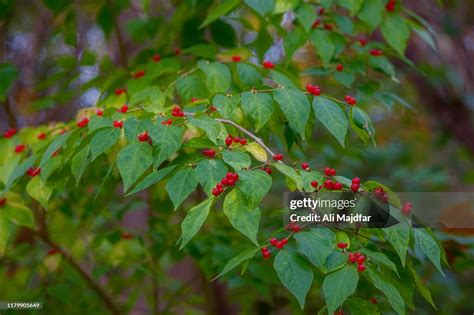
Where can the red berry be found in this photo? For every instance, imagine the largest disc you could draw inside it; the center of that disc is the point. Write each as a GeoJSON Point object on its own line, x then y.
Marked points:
{"type": "Point", "coordinates": [236, 58]}
{"type": "Point", "coordinates": [9, 133]}
{"type": "Point", "coordinates": [273, 241]}
{"type": "Point", "coordinates": [228, 140]}
{"type": "Point", "coordinates": [143, 136]}
{"type": "Point", "coordinates": [355, 187]}
{"type": "Point", "coordinates": [119, 92]}
{"type": "Point", "coordinates": [328, 184]}
{"type": "Point", "coordinates": [284, 241]}
{"type": "Point", "coordinates": [296, 228]}
{"type": "Point", "coordinates": [352, 258]}
{"type": "Point", "coordinates": [123, 109]}
{"type": "Point", "coordinates": [376, 52]}
{"type": "Point", "coordinates": [139, 74]}
{"type": "Point", "coordinates": [212, 108]}
{"type": "Point", "coordinates": [329, 171]}
{"type": "Point", "coordinates": [328, 26]}
{"type": "Point", "coordinates": [216, 191]}
{"type": "Point", "coordinates": [313, 89]}
{"type": "Point", "coordinates": [314, 184]}
{"type": "Point", "coordinates": [3, 201]}
{"type": "Point", "coordinates": [278, 157]}
{"type": "Point", "coordinates": [82, 123]}
{"type": "Point", "coordinates": [373, 300]}
{"type": "Point", "coordinates": [266, 253]}
{"type": "Point", "coordinates": [127, 236]}
{"type": "Point", "coordinates": [321, 11]}
{"type": "Point", "coordinates": [33, 171]}
{"type": "Point", "coordinates": [390, 6]}
{"type": "Point", "coordinates": [41, 136]}
{"type": "Point", "coordinates": [231, 182]}
{"type": "Point", "coordinates": [52, 251]}
{"type": "Point", "coordinates": [406, 210]}
{"type": "Point", "coordinates": [268, 64]}
{"type": "Point", "coordinates": [235, 176]}
{"type": "Point", "coordinates": [337, 186]}
{"type": "Point", "coordinates": [20, 148]}
{"type": "Point", "coordinates": [339, 313]}
{"type": "Point", "coordinates": [99, 113]}
{"type": "Point", "coordinates": [156, 58]}
{"type": "Point", "coordinates": [225, 181]}
{"type": "Point", "coordinates": [236, 139]}
{"type": "Point", "coordinates": [243, 141]}
{"type": "Point", "coordinates": [341, 245]}
{"type": "Point", "coordinates": [360, 259]}
{"type": "Point", "coordinates": [340, 67]}
{"type": "Point", "coordinates": [316, 23]}
{"type": "Point", "coordinates": [363, 41]}
{"type": "Point", "coordinates": [210, 153]}
{"type": "Point", "coordinates": [118, 124]}
{"type": "Point", "coordinates": [279, 245]}
{"type": "Point", "coordinates": [305, 166]}
{"type": "Point", "coordinates": [361, 268]}
{"type": "Point", "coordinates": [177, 51]}
{"type": "Point", "coordinates": [356, 180]}
{"type": "Point", "coordinates": [350, 100]}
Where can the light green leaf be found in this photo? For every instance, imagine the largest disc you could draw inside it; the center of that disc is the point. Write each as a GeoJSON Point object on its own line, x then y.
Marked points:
{"type": "Point", "coordinates": [19, 214]}
{"type": "Point", "coordinates": [258, 106]}
{"type": "Point", "coordinates": [79, 163]}
{"type": "Point", "coordinates": [242, 218]}
{"type": "Point", "coordinates": [209, 126]}
{"type": "Point", "coordinates": [262, 7]}
{"type": "Point", "coordinates": [316, 245]}
{"type": "Point", "coordinates": [372, 13]}
{"type": "Point", "coordinates": [19, 171]}
{"type": "Point", "coordinates": [55, 145]}
{"type": "Point", "coordinates": [323, 44]}
{"type": "Point", "coordinates": [210, 172]}
{"type": "Point", "coordinates": [257, 151]}
{"type": "Point", "coordinates": [152, 179]}
{"type": "Point", "coordinates": [133, 161]}
{"type": "Point", "coordinates": [332, 117]}
{"type": "Point", "coordinates": [237, 260]}
{"type": "Point", "coordinates": [103, 140]}
{"type": "Point", "coordinates": [290, 173]}
{"type": "Point", "coordinates": [380, 258]}
{"type": "Point", "coordinates": [428, 246]}
{"type": "Point", "coordinates": [6, 229]}
{"type": "Point", "coordinates": [352, 5]}
{"type": "Point", "coordinates": [421, 287]}
{"type": "Point", "coordinates": [134, 126]}
{"type": "Point", "coordinates": [218, 11]}
{"type": "Point", "coordinates": [399, 236]}
{"type": "Point", "coordinates": [237, 159]}
{"type": "Point", "coordinates": [390, 291]}
{"type": "Point", "coordinates": [194, 220]}
{"type": "Point", "coordinates": [396, 32]}
{"type": "Point", "coordinates": [254, 185]}
{"type": "Point", "coordinates": [191, 86]}
{"type": "Point", "coordinates": [181, 185]}
{"type": "Point", "coordinates": [38, 190]}
{"type": "Point", "coordinates": [218, 77]}
{"type": "Point", "coordinates": [295, 106]}
{"type": "Point", "coordinates": [338, 286]}
{"type": "Point", "coordinates": [294, 273]}
{"type": "Point", "coordinates": [167, 140]}
{"type": "Point", "coordinates": [226, 105]}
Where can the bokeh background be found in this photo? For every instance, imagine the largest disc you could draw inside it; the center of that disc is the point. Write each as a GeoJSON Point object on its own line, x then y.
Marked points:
{"type": "Point", "coordinates": [51, 53]}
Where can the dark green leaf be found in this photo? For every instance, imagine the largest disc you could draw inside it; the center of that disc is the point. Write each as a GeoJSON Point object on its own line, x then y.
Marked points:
{"type": "Point", "coordinates": [258, 106]}
{"type": "Point", "coordinates": [254, 185]}
{"type": "Point", "coordinates": [133, 161]}
{"type": "Point", "coordinates": [295, 106]}
{"type": "Point", "coordinates": [262, 7]}
{"type": "Point", "coordinates": [210, 172]}
{"type": "Point", "coordinates": [248, 75]}
{"type": "Point", "coordinates": [338, 286]}
{"type": "Point", "coordinates": [237, 260]}
{"type": "Point", "coordinates": [399, 236]}
{"type": "Point", "coordinates": [316, 245]}
{"type": "Point", "coordinates": [194, 220]}
{"type": "Point", "coordinates": [181, 185]}
{"type": "Point", "coordinates": [332, 117]}
{"type": "Point", "coordinates": [323, 44]}
{"type": "Point", "coordinates": [152, 179]}
{"type": "Point", "coordinates": [103, 140]}
{"type": "Point", "coordinates": [428, 245]}
{"type": "Point", "coordinates": [390, 291]}
{"type": "Point", "coordinates": [396, 32]}
{"type": "Point", "coordinates": [237, 159]}
{"type": "Point", "coordinates": [218, 77]}
{"type": "Point", "coordinates": [218, 11]}
{"type": "Point", "coordinates": [306, 14]}
{"type": "Point", "coordinates": [372, 13]}
{"type": "Point", "coordinates": [168, 140]}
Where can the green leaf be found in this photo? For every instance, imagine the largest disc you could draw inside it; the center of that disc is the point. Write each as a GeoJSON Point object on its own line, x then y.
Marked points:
{"type": "Point", "coordinates": [306, 14]}
{"type": "Point", "coordinates": [209, 126]}
{"type": "Point", "coordinates": [344, 23]}
{"type": "Point", "coordinates": [218, 11]}
{"type": "Point", "coordinates": [399, 236]}
{"type": "Point", "coordinates": [133, 161]}
{"type": "Point", "coordinates": [226, 105]}
{"type": "Point", "coordinates": [335, 261]}
{"type": "Point", "coordinates": [38, 190]}
{"type": "Point", "coordinates": [295, 106]}
{"type": "Point", "coordinates": [372, 13]}
{"type": "Point", "coordinates": [152, 179]}
{"type": "Point", "coordinates": [396, 32]}
{"type": "Point", "coordinates": [6, 229]}
{"type": "Point", "coordinates": [308, 177]}
{"type": "Point", "coordinates": [20, 171]}
{"type": "Point", "coordinates": [332, 117]}
{"type": "Point", "coordinates": [362, 125]}
{"type": "Point", "coordinates": [262, 7]}
{"type": "Point", "coordinates": [168, 140]}
{"type": "Point", "coordinates": [97, 122]}
{"type": "Point", "coordinates": [346, 78]}
{"type": "Point", "coordinates": [8, 73]}
{"type": "Point", "coordinates": [194, 220]}
{"type": "Point", "coordinates": [290, 173]}
{"type": "Point", "coordinates": [294, 273]}
{"type": "Point", "coordinates": [218, 77]}
{"type": "Point", "coordinates": [237, 159]}
{"type": "Point", "coordinates": [428, 246]}
{"type": "Point", "coordinates": [248, 75]}
{"type": "Point", "coordinates": [292, 41]}
{"type": "Point", "coordinates": [360, 306]}
{"type": "Point", "coordinates": [19, 214]}
{"type": "Point", "coordinates": [181, 185]}
{"type": "Point", "coordinates": [383, 64]}
{"type": "Point", "coordinates": [55, 145]}
{"type": "Point", "coordinates": [134, 126]}
{"type": "Point", "coordinates": [421, 287]}
{"type": "Point", "coordinates": [352, 5]}
{"type": "Point", "coordinates": [258, 106]}
{"type": "Point", "coordinates": [423, 34]}
{"type": "Point", "coordinates": [316, 245]}
{"type": "Point", "coordinates": [237, 260]}
{"type": "Point", "coordinates": [380, 258]}
{"type": "Point", "coordinates": [323, 44]}
{"type": "Point", "coordinates": [254, 185]}
{"type": "Point", "coordinates": [191, 86]}
{"type": "Point", "coordinates": [210, 172]}
{"type": "Point", "coordinates": [103, 140]}
{"type": "Point", "coordinates": [390, 291]}
{"type": "Point", "coordinates": [242, 218]}
{"type": "Point", "coordinates": [338, 286]}
{"type": "Point", "coordinates": [79, 163]}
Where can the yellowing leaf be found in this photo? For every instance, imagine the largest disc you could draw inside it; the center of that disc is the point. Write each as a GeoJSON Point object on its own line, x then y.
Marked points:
{"type": "Point", "coordinates": [257, 151]}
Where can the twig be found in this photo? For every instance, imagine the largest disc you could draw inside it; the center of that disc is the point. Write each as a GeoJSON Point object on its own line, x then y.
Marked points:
{"type": "Point", "coordinates": [120, 40]}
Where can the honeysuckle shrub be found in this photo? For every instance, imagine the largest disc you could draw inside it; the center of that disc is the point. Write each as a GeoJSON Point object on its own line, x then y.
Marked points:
{"type": "Point", "coordinates": [199, 134]}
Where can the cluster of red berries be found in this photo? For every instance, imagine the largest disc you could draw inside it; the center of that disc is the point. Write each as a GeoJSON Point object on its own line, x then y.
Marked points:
{"type": "Point", "coordinates": [268, 64]}
{"type": "Point", "coordinates": [329, 171]}
{"type": "Point", "coordinates": [3, 201]}
{"type": "Point", "coordinates": [41, 136]}
{"type": "Point", "coordinates": [279, 243]}
{"type": "Point", "coordinates": [177, 112]}
{"type": "Point", "coordinates": [363, 41]}
{"type": "Point", "coordinates": [9, 133]}
{"type": "Point", "coordinates": [350, 100]}
{"type": "Point", "coordinates": [292, 226]}
{"type": "Point", "coordinates": [123, 109]}
{"type": "Point", "coordinates": [210, 153]}
{"type": "Point", "coordinates": [83, 122]}
{"type": "Point", "coordinates": [120, 91]}
{"type": "Point", "coordinates": [229, 180]}
{"type": "Point", "coordinates": [33, 171]}
{"type": "Point", "coordinates": [328, 26]}
{"type": "Point", "coordinates": [118, 124]}
{"type": "Point", "coordinates": [305, 166]}
{"type": "Point", "coordinates": [355, 184]}
{"type": "Point", "coordinates": [390, 6]}
{"type": "Point", "coordinates": [406, 209]}
{"type": "Point", "coordinates": [99, 113]}
{"type": "Point", "coordinates": [267, 169]}
{"type": "Point", "coordinates": [376, 52]}
{"type": "Point", "coordinates": [313, 89]}
{"type": "Point", "coordinates": [142, 137]}
{"type": "Point", "coordinates": [340, 67]}
{"type": "Point", "coordinates": [167, 122]}
{"type": "Point", "coordinates": [229, 140]}
{"type": "Point", "coordinates": [20, 148]}
{"type": "Point", "coordinates": [381, 194]}
{"type": "Point", "coordinates": [236, 58]}
{"type": "Point", "coordinates": [266, 253]}
{"type": "Point", "coordinates": [359, 259]}
{"type": "Point", "coordinates": [139, 74]}
{"type": "Point", "coordinates": [330, 185]}
{"type": "Point", "coordinates": [316, 23]}
{"type": "Point", "coordinates": [278, 157]}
